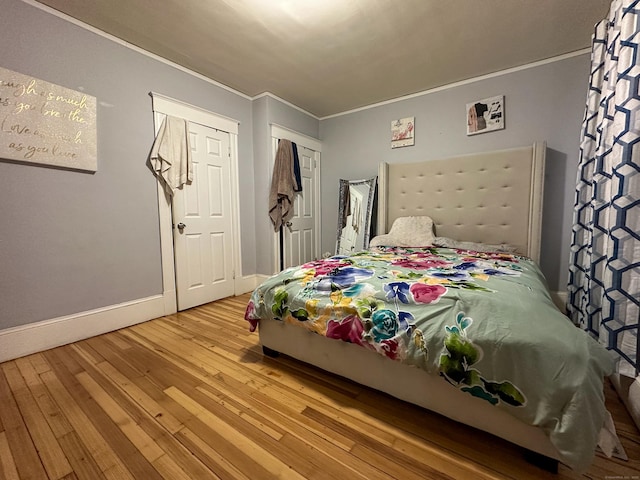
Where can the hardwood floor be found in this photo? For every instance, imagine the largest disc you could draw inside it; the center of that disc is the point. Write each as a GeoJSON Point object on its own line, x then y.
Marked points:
{"type": "Point", "coordinates": [191, 396]}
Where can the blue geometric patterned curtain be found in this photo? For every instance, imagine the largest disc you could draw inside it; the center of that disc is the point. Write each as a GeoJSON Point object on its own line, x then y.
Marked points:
{"type": "Point", "coordinates": [604, 270]}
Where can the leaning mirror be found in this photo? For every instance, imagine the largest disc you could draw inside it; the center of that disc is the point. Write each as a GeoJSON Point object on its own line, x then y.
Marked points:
{"type": "Point", "coordinates": [355, 206]}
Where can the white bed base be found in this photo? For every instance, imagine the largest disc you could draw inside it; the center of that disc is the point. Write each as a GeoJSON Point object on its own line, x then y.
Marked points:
{"type": "Point", "coordinates": [405, 382]}
{"type": "Point", "coordinates": [493, 197]}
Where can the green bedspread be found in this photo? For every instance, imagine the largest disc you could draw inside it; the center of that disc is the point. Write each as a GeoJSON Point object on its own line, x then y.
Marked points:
{"type": "Point", "coordinates": [484, 322]}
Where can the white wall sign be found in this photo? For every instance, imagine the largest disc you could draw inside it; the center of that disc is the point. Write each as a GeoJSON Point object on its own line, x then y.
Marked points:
{"type": "Point", "coordinates": [43, 123]}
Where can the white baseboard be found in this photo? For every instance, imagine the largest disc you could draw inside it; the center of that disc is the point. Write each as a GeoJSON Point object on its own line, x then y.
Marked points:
{"type": "Point", "coordinates": [249, 283]}
{"type": "Point", "coordinates": [246, 284]}
{"type": "Point", "coordinates": [24, 340]}
{"type": "Point", "coordinates": [261, 278]}
{"type": "Point", "coordinates": [35, 337]}
{"type": "Point", "coordinates": [629, 391]}
{"type": "Point", "coordinates": [560, 299]}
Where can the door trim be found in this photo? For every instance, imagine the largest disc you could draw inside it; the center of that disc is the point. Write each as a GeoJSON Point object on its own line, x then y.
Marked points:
{"type": "Point", "coordinates": [163, 105]}
{"type": "Point", "coordinates": [278, 132]}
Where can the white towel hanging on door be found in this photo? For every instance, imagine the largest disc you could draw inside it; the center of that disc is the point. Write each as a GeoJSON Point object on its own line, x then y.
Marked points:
{"type": "Point", "coordinates": [171, 154]}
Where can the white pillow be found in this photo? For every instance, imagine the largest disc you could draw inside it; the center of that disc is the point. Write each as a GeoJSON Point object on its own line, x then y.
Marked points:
{"type": "Point", "coordinates": [477, 247]}
{"type": "Point", "coordinates": [407, 232]}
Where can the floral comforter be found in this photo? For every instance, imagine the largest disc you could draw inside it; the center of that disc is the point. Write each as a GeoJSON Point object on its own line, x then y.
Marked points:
{"type": "Point", "coordinates": [484, 322]}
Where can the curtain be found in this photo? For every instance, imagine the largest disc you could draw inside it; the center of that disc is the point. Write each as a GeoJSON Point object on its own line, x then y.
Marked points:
{"type": "Point", "coordinates": [604, 268]}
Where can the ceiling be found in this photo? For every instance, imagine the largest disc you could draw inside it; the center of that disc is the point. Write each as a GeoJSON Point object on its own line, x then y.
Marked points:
{"type": "Point", "coordinates": [332, 56]}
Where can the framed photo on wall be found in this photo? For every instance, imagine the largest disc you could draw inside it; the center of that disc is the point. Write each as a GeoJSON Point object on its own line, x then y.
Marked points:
{"type": "Point", "coordinates": [402, 132]}
{"type": "Point", "coordinates": [485, 115]}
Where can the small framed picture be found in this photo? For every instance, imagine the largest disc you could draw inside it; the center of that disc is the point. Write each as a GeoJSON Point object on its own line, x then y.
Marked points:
{"type": "Point", "coordinates": [402, 131]}
{"type": "Point", "coordinates": [485, 115]}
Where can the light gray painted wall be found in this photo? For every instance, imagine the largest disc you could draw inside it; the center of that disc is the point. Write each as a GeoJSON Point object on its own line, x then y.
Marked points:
{"type": "Point", "coordinates": [262, 155]}
{"type": "Point", "coordinates": [72, 242]}
{"type": "Point", "coordinates": [541, 103]}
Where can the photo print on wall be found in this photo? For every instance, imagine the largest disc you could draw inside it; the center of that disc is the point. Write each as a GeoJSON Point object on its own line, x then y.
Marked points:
{"type": "Point", "coordinates": [485, 115]}
{"type": "Point", "coordinates": [402, 132]}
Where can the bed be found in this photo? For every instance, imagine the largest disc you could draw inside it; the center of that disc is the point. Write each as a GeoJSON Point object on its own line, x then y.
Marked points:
{"type": "Point", "coordinates": [451, 312]}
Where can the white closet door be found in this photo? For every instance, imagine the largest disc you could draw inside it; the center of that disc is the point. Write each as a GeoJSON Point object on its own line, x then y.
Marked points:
{"type": "Point", "coordinates": [301, 232]}
{"type": "Point", "coordinates": [203, 228]}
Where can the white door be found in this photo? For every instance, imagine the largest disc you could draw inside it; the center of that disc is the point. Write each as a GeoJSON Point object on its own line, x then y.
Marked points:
{"type": "Point", "coordinates": [203, 228]}
{"type": "Point", "coordinates": [301, 232]}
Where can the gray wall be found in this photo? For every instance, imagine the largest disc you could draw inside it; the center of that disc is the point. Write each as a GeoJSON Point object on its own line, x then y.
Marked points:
{"type": "Point", "coordinates": [541, 103]}
{"type": "Point", "coordinates": [72, 242]}
{"type": "Point", "coordinates": [262, 165]}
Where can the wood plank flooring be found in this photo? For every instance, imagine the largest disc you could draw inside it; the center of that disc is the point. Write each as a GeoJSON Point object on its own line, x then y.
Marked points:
{"type": "Point", "coordinates": [190, 396]}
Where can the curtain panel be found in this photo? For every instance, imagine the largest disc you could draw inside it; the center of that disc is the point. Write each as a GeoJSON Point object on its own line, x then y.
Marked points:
{"type": "Point", "coordinates": [604, 270]}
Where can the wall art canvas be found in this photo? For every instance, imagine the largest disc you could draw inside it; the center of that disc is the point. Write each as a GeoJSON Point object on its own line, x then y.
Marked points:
{"type": "Point", "coordinates": [402, 132]}
{"type": "Point", "coordinates": [45, 124]}
{"type": "Point", "coordinates": [485, 115]}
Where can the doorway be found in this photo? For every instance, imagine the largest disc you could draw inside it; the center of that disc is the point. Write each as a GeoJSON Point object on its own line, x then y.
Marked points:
{"type": "Point", "coordinates": [300, 241]}
{"type": "Point", "coordinates": [195, 259]}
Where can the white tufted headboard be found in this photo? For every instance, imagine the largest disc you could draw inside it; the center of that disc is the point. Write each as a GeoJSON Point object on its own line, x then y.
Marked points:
{"type": "Point", "coordinates": [492, 197]}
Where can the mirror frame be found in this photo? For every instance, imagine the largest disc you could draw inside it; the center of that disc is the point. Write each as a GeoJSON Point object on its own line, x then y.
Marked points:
{"type": "Point", "coordinates": [345, 184]}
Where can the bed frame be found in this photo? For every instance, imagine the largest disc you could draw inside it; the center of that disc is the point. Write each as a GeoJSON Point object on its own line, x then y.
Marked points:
{"type": "Point", "coordinates": [493, 197]}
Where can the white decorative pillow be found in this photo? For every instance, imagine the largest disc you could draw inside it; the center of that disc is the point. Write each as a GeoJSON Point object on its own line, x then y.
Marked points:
{"type": "Point", "coordinates": [477, 247]}
{"type": "Point", "coordinates": [382, 241]}
{"type": "Point", "coordinates": [407, 232]}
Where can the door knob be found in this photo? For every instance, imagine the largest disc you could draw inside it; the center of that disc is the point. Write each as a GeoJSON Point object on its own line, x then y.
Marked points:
{"type": "Point", "coordinates": [181, 226]}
